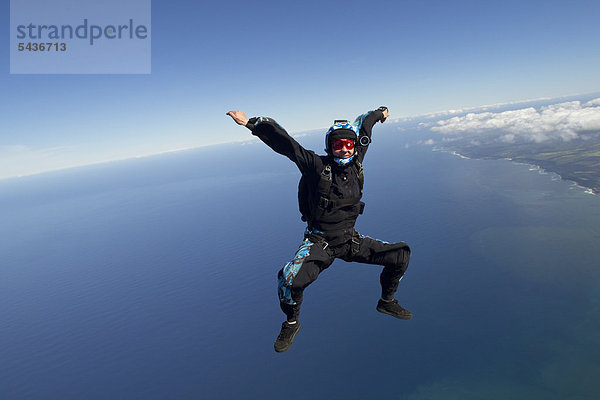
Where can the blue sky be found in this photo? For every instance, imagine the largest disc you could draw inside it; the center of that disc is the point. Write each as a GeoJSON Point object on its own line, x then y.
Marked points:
{"type": "Point", "coordinates": [303, 63]}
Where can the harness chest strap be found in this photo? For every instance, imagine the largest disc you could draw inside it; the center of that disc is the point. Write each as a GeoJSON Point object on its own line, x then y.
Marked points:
{"type": "Point", "coordinates": [325, 186]}
{"type": "Point", "coordinates": [312, 207]}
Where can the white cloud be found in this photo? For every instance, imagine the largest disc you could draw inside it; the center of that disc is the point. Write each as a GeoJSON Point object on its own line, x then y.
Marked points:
{"type": "Point", "coordinates": [557, 121]}
{"type": "Point", "coordinates": [445, 113]}
{"type": "Point", "coordinates": [595, 102]}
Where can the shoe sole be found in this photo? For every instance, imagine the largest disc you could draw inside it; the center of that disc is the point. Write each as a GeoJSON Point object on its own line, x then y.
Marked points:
{"type": "Point", "coordinates": [381, 310]}
{"type": "Point", "coordinates": [291, 342]}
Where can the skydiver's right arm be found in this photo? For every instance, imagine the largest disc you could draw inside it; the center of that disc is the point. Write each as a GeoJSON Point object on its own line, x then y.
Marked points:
{"type": "Point", "coordinates": [274, 136]}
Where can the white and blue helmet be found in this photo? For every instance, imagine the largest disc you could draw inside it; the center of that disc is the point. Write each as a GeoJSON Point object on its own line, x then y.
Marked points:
{"type": "Point", "coordinates": [340, 130]}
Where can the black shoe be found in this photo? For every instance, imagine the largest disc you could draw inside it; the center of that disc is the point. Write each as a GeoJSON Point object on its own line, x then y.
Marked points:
{"type": "Point", "coordinates": [286, 336]}
{"type": "Point", "coordinates": [393, 308]}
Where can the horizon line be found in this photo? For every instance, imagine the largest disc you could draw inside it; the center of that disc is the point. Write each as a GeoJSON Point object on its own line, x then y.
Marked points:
{"type": "Point", "coordinates": [298, 134]}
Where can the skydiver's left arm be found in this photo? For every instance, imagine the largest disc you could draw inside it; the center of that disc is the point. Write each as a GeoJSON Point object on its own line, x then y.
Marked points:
{"type": "Point", "coordinates": [367, 122]}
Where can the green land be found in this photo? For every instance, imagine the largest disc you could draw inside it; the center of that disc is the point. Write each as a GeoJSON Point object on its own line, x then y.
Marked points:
{"type": "Point", "coordinates": [577, 160]}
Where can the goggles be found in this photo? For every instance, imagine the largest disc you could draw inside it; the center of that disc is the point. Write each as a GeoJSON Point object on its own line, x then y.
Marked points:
{"type": "Point", "coordinates": [339, 144]}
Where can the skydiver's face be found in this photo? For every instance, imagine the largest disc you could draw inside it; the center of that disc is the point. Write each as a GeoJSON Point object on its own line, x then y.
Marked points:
{"type": "Point", "coordinates": [342, 148]}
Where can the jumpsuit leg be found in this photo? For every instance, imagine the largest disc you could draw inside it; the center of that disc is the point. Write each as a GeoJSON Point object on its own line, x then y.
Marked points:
{"type": "Point", "coordinates": [295, 276]}
{"type": "Point", "coordinates": [393, 256]}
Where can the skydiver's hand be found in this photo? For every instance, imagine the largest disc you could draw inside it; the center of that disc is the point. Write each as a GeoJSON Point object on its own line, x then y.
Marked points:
{"type": "Point", "coordinates": [239, 117]}
{"type": "Point", "coordinates": [385, 115]}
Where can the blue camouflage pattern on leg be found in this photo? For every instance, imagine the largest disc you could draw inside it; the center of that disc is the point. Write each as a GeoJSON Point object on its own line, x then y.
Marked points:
{"type": "Point", "coordinates": [290, 270]}
{"type": "Point", "coordinates": [379, 240]}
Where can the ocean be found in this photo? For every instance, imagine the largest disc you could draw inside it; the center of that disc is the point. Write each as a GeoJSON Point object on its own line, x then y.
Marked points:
{"type": "Point", "coordinates": [155, 278]}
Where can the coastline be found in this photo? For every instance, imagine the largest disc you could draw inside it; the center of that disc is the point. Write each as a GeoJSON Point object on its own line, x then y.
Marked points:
{"type": "Point", "coordinates": [533, 167]}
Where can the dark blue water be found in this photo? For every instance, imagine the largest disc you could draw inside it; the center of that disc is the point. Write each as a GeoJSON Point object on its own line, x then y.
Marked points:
{"type": "Point", "coordinates": [155, 279]}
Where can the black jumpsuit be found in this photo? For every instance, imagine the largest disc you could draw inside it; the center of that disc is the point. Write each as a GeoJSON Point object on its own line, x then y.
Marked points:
{"type": "Point", "coordinates": [333, 235]}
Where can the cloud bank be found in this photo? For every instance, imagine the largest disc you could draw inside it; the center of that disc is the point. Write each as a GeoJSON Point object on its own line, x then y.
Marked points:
{"type": "Point", "coordinates": [563, 121]}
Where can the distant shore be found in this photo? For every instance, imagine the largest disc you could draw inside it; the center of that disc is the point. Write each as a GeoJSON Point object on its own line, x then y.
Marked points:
{"type": "Point", "coordinates": [589, 182]}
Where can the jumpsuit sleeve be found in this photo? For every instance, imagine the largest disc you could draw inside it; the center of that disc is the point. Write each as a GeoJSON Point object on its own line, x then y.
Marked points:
{"type": "Point", "coordinates": [367, 121]}
{"type": "Point", "coordinates": [274, 136]}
